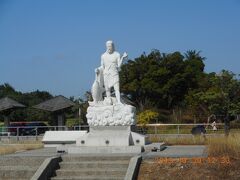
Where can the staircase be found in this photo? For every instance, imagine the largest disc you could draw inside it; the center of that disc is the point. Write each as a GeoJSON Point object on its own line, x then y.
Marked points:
{"type": "Point", "coordinates": [92, 168]}
{"type": "Point", "coordinates": [20, 168]}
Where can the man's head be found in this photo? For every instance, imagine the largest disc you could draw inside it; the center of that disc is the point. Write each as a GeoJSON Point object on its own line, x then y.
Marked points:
{"type": "Point", "coordinates": [110, 46]}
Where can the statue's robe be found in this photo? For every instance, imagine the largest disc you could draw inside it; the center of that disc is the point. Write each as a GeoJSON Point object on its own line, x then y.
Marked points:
{"type": "Point", "coordinates": [110, 64]}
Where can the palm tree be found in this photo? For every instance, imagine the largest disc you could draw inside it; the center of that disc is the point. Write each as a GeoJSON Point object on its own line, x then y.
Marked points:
{"type": "Point", "coordinates": [193, 54]}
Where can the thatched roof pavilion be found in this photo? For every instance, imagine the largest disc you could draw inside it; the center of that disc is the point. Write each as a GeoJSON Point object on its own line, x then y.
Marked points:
{"type": "Point", "coordinates": [57, 105]}
{"type": "Point", "coordinates": [6, 106]}
{"type": "Point", "coordinates": [8, 103]}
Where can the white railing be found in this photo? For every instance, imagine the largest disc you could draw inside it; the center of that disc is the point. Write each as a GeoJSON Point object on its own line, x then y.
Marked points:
{"type": "Point", "coordinates": [38, 131]}
{"type": "Point", "coordinates": [176, 128]}
{"type": "Point", "coordinates": [33, 131]}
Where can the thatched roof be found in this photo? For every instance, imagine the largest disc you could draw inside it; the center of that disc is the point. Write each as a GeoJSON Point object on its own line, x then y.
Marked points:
{"type": "Point", "coordinates": [8, 103]}
{"type": "Point", "coordinates": [55, 104]}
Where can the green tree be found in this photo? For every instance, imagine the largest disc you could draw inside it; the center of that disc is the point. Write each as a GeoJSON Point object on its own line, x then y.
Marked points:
{"type": "Point", "coordinates": [217, 94]}
{"type": "Point", "coordinates": [160, 80]}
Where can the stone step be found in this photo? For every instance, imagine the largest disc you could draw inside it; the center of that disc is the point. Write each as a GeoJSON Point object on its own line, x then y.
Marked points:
{"type": "Point", "coordinates": [94, 164]}
{"type": "Point", "coordinates": [92, 171]}
{"type": "Point", "coordinates": [18, 168]}
{"type": "Point", "coordinates": [88, 178]}
{"type": "Point", "coordinates": [15, 178]}
{"type": "Point", "coordinates": [14, 174]}
{"type": "Point", "coordinates": [94, 158]}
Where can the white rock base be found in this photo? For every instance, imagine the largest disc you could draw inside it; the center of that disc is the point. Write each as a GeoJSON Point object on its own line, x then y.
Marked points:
{"type": "Point", "coordinates": [108, 114]}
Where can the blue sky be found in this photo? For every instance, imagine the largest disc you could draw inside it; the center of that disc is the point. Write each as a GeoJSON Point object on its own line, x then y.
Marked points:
{"type": "Point", "coordinates": [55, 45]}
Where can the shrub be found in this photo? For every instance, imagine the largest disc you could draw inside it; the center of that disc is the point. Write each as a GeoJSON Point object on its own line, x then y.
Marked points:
{"type": "Point", "coordinates": [145, 117]}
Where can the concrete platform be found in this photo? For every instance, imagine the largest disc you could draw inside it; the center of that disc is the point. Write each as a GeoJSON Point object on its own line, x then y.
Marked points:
{"type": "Point", "coordinates": [56, 138]}
{"type": "Point", "coordinates": [178, 151]}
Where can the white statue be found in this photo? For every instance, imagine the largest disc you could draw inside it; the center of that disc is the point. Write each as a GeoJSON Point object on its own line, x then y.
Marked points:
{"type": "Point", "coordinates": [109, 110]}
{"type": "Point", "coordinates": [110, 65]}
{"type": "Point", "coordinates": [98, 86]}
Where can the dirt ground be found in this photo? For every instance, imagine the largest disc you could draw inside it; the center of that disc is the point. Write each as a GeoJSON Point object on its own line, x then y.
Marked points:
{"type": "Point", "coordinates": [214, 168]}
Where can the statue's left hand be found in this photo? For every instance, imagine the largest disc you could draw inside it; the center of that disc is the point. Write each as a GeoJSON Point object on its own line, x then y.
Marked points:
{"type": "Point", "coordinates": [125, 55]}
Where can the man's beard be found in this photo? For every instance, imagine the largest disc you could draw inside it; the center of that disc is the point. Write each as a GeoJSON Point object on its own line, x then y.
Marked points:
{"type": "Point", "coordinates": [110, 51]}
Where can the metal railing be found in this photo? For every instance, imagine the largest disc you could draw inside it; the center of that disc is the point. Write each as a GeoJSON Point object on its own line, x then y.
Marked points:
{"type": "Point", "coordinates": [28, 131]}
{"type": "Point", "coordinates": [38, 131]}
{"type": "Point", "coordinates": [176, 128]}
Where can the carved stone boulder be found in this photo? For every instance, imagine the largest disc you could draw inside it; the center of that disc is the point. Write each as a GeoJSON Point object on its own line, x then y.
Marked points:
{"type": "Point", "coordinates": [109, 113]}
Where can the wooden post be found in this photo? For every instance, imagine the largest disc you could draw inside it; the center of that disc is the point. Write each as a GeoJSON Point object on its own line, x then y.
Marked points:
{"type": "Point", "coordinates": [6, 121]}
{"type": "Point", "coordinates": [60, 121]}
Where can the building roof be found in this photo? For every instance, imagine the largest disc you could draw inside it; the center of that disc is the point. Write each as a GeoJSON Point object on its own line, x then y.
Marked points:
{"type": "Point", "coordinates": [55, 104]}
{"type": "Point", "coordinates": [8, 103]}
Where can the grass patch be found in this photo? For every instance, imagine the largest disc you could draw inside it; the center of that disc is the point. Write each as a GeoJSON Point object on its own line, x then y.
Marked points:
{"type": "Point", "coordinates": [12, 148]}
{"type": "Point", "coordinates": [218, 147]}
{"type": "Point", "coordinates": [225, 146]}
{"type": "Point", "coordinates": [189, 140]}
{"type": "Point", "coordinates": [184, 129]}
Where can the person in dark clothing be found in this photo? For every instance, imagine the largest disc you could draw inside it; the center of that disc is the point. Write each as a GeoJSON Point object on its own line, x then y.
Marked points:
{"type": "Point", "coordinates": [227, 120]}
{"type": "Point", "coordinates": [199, 130]}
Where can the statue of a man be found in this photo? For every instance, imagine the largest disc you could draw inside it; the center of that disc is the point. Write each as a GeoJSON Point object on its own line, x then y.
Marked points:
{"type": "Point", "coordinates": [110, 66]}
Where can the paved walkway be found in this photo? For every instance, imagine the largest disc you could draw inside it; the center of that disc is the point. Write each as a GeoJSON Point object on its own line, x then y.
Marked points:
{"type": "Point", "coordinates": [44, 152]}
{"type": "Point", "coordinates": [169, 151]}
{"type": "Point", "coordinates": [179, 151]}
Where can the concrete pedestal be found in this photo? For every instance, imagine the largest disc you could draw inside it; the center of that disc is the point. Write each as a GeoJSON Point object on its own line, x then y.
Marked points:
{"type": "Point", "coordinates": [105, 150]}
{"type": "Point", "coordinates": [109, 139]}
{"type": "Point", "coordinates": [111, 136]}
